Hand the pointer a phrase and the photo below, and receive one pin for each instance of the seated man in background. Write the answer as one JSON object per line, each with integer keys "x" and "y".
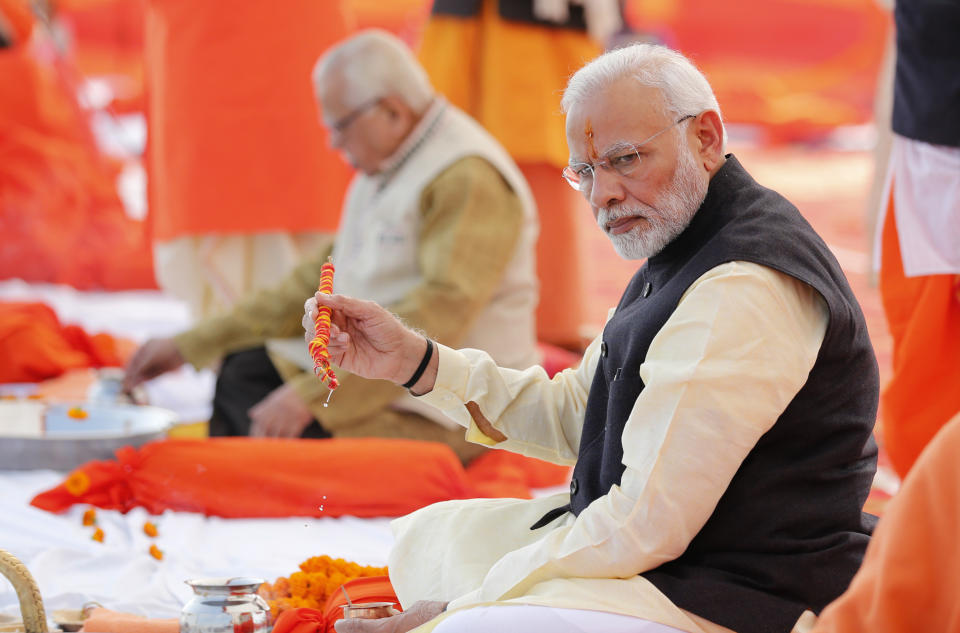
{"x": 720, "y": 426}
{"x": 438, "y": 225}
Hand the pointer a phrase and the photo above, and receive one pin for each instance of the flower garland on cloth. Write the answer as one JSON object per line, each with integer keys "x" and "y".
{"x": 319, "y": 576}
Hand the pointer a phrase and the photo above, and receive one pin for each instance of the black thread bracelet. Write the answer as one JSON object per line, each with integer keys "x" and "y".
{"x": 427, "y": 355}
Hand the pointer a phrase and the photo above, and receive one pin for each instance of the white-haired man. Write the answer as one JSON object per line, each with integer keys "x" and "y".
{"x": 720, "y": 426}
{"x": 438, "y": 225}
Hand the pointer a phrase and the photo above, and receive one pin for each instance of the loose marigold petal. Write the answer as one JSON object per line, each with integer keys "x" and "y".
{"x": 149, "y": 529}
{"x": 156, "y": 552}
{"x": 77, "y": 413}
{"x": 77, "y": 483}
{"x": 89, "y": 516}
{"x": 98, "y": 535}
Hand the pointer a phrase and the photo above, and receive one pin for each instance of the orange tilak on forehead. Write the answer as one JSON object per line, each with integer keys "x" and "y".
{"x": 592, "y": 152}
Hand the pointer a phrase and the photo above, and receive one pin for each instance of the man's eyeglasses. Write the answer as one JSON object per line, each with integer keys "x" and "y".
{"x": 580, "y": 175}
{"x": 340, "y": 126}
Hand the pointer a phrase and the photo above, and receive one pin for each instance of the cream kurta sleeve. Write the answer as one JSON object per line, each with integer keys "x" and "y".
{"x": 728, "y": 361}
{"x": 470, "y": 223}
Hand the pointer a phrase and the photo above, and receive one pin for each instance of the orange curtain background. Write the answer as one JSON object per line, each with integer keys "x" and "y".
{"x": 794, "y": 69}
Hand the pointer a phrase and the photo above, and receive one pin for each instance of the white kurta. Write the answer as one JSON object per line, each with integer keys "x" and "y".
{"x": 926, "y": 204}
{"x": 725, "y": 365}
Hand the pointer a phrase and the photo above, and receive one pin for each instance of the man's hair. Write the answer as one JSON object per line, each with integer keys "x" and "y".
{"x": 374, "y": 64}
{"x": 684, "y": 88}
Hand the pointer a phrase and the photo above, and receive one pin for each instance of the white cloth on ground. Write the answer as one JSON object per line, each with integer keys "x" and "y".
{"x": 71, "y": 569}
{"x": 496, "y": 619}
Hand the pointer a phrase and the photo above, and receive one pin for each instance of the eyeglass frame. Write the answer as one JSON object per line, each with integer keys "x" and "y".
{"x": 573, "y": 178}
{"x": 340, "y": 125}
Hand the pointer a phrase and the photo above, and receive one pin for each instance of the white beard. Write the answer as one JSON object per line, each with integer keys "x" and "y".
{"x": 677, "y": 205}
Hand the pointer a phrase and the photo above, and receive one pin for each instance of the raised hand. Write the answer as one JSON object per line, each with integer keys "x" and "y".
{"x": 368, "y": 340}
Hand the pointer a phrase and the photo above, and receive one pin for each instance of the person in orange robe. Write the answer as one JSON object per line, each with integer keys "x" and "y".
{"x": 909, "y": 580}
{"x": 241, "y": 182}
{"x": 920, "y": 240}
{"x": 923, "y": 314}
{"x": 506, "y": 64}
{"x": 61, "y": 218}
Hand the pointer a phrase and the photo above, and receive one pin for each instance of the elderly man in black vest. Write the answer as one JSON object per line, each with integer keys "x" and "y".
{"x": 720, "y": 426}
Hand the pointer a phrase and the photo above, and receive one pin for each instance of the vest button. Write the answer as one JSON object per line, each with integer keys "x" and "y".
{"x": 574, "y": 486}
{"x": 603, "y": 349}
{"x": 647, "y": 287}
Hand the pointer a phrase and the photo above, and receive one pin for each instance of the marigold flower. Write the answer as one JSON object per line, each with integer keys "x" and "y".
{"x": 77, "y": 483}
{"x": 319, "y": 576}
{"x": 149, "y": 529}
{"x": 282, "y": 587}
{"x": 89, "y": 516}
{"x": 98, "y": 535}
{"x": 156, "y": 552}
{"x": 77, "y": 413}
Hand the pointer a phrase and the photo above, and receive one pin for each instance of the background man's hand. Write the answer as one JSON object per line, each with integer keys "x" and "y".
{"x": 366, "y": 339}
{"x": 155, "y": 357}
{"x": 418, "y": 613}
{"x": 281, "y": 414}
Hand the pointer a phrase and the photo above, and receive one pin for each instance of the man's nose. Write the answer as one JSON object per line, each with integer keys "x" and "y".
{"x": 607, "y": 188}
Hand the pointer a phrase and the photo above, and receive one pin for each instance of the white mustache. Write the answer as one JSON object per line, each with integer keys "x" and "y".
{"x": 613, "y": 213}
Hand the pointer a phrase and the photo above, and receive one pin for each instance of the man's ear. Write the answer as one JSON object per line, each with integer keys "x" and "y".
{"x": 709, "y": 132}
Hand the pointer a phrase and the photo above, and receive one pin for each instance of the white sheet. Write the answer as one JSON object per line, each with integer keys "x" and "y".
{"x": 71, "y": 569}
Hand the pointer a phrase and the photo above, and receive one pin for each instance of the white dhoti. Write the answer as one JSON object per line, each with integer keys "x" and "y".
{"x": 445, "y": 551}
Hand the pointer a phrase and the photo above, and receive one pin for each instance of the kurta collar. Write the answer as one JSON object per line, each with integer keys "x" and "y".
{"x": 420, "y": 133}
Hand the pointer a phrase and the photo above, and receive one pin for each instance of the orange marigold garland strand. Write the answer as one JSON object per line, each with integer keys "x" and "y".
{"x": 318, "y": 346}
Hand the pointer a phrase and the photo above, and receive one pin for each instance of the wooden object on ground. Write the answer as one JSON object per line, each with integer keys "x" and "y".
{"x": 31, "y": 604}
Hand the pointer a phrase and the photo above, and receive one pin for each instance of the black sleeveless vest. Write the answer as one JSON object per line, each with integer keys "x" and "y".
{"x": 789, "y": 533}
{"x": 926, "y": 89}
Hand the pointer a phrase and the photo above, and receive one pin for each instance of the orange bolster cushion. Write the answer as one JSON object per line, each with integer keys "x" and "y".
{"x": 246, "y": 477}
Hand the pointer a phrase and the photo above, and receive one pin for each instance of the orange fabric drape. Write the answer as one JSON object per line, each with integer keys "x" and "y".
{"x": 17, "y": 15}
{"x": 246, "y": 477}
{"x": 798, "y": 68}
{"x": 61, "y": 218}
{"x": 235, "y": 142}
{"x": 908, "y": 581}
{"x": 923, "y": 314}
{"x": 35, "y": 346}
{"x": 301, "y": 620}
{"x": 559, "y": 312}
{"x": 510, "y": 76}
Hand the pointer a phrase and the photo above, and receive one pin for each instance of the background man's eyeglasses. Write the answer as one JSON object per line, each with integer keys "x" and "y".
{"x": 580, "y": 175}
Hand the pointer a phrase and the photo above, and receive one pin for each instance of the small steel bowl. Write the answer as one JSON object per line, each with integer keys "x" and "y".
{"x": 369, "y": 610}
